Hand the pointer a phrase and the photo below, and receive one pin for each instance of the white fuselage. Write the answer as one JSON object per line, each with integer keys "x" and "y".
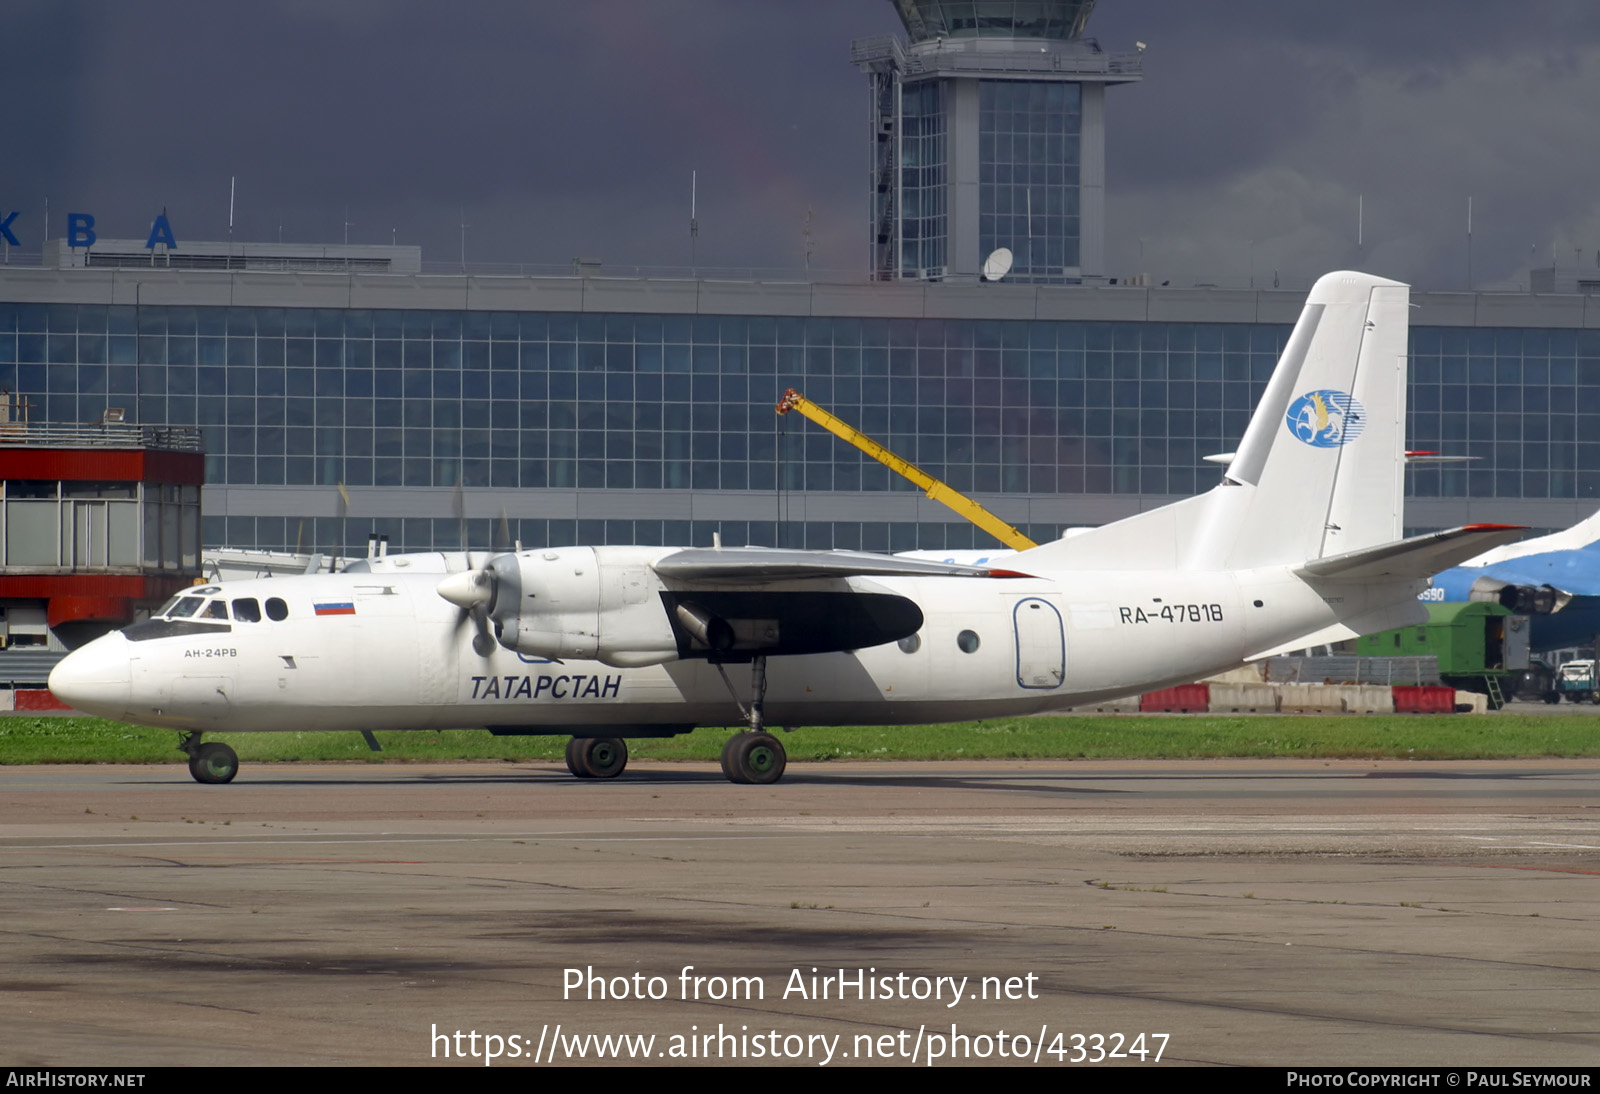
{"x": 385, "y": 651}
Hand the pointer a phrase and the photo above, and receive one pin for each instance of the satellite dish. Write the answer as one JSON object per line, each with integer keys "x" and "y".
{"x": 997, "y": 265}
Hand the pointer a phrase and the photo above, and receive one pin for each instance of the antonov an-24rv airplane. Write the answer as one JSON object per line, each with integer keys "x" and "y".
{"x": 1299, "y": 545}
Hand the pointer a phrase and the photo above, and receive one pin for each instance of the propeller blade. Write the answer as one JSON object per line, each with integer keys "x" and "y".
{"x": 458, "y": 507}
{"x": 502, "y": 542}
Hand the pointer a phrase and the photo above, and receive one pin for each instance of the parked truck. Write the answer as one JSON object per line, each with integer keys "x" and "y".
{"x": 1576, "y": 682}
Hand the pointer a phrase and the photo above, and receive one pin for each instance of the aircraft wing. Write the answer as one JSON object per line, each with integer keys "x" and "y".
{"x": 777, "y": 564}
{"x": 1414, "y": 558}
{"x": 1586, "y": 533}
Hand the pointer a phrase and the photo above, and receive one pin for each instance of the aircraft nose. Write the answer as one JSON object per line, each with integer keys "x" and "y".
{"x": 95, "y": 679}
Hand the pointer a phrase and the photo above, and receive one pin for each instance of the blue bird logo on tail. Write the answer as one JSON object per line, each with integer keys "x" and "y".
{"x": 1326, "y": 419}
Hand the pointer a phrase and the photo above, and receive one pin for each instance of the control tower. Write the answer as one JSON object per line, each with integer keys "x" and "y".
{"x": 988, "y": 132}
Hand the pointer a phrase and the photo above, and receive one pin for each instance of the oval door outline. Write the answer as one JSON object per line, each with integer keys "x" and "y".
{"x": 1041, "y": 644}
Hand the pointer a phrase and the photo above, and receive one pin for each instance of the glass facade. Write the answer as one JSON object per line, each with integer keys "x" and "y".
{"x": 600, "y": 402}
{"x": 994, "y": 18}
{"x": 1028, "y": 162}
{"x": 923, "y": 223}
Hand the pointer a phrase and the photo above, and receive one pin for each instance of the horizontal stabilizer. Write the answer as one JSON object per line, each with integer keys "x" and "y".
{"x": 772, "y": 564}
{"x": 1414, "y": 558}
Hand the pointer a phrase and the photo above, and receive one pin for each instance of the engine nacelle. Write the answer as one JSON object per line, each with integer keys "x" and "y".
{"x": 584, "y": 604}
{"x": 1520, "y": 599}
{"x": 608, "y": 604}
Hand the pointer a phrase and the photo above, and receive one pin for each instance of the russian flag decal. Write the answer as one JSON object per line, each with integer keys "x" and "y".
{"x": 346, "y": 607}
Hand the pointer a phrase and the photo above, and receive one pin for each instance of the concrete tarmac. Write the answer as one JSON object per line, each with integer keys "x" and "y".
{"x": 1232, "y": 912}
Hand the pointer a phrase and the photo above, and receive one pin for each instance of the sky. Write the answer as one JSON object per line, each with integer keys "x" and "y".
{"x": 1265, "y": 135}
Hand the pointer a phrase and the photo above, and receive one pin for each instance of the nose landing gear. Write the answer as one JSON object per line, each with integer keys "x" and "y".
{"x": 213, "y": 763}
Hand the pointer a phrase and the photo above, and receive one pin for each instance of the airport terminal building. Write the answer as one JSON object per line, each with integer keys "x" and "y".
{"x": 610, "y": 410}
{"x": 347, "y": 390}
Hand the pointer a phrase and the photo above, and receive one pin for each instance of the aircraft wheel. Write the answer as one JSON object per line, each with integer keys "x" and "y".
{"x": 727, "y": 751}
{"x": 574, "y": 758}
{"x": 597, "y": 757}
{"x": 213, "y": 763}
{"x": 754, "y": 758}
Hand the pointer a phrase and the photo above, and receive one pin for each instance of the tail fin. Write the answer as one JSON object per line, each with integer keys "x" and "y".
{"x": 1321, "y": 468}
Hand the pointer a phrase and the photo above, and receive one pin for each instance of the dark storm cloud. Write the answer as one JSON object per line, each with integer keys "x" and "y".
{"x": 1263, "y": 127}
{"x": 557, "y": 129}
{"x": 39, "y": 104}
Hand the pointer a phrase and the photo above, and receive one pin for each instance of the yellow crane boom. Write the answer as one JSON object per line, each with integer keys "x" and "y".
{"x": 938, "y": 491}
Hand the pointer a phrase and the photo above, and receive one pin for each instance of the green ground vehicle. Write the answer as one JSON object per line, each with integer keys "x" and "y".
{"x": 1480, "y": 647}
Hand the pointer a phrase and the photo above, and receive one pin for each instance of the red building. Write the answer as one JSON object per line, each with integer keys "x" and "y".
{"x": 97, "y": 523}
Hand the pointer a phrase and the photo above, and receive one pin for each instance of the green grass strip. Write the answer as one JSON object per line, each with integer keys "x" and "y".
{"x": 32, "y": 740}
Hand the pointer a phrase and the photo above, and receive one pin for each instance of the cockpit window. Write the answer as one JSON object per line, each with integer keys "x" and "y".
{"x": 184, "y": 607}
{"x": 247, "y": 610}
{"x": 277, "y": 609}
{"x": 217, "y": 609}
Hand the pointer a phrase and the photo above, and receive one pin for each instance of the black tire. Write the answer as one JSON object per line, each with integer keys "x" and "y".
{"x": 574, "y": 763}
{"x": 600, "y": 757}
{"x": 756, "y": 758}
{"x": 213, "y": 763}
{"x": 727, "y": 763}
{"x": 1552, "y": 697}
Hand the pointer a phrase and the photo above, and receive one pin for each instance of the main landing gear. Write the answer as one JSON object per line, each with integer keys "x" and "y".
{"x": 209, "y": 763}
{"x": 753, "y": 755}
{"x": 597, "y": 757}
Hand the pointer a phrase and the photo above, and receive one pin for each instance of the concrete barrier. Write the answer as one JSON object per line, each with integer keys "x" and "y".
{"x": 1184, "y": 699}
{"x": 1368, "y": 699}
{"x": 36, "y": 699}
{"x": 1310, "y": 699}
{"x": 1244, "y": 699}
{"x": 1424, "y": 700}
{"x": 1126, "y": 705}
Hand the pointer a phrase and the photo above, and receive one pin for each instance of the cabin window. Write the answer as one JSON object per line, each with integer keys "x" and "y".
{"x": 277, "y": 609}
{"x": 911, "y": 643}
{"x": 247, "y": 610}
{"x": 967, "y": 641}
